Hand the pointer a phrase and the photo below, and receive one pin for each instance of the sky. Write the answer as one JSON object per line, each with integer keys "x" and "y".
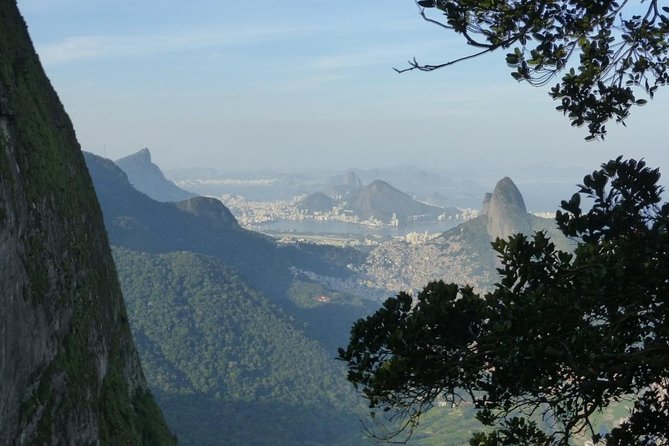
{"x": 302, "y": 85}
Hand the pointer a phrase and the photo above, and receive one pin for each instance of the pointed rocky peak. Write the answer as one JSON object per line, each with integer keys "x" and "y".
{"x": 147, "y": 177}
{"x": 141, "y": 157}
{"x": 507, "y": 194}
{"x": 507, "y": 214}
{"x": 209, "y": 209}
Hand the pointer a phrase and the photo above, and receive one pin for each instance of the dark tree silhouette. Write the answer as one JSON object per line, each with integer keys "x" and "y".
{"x": 608, "y": 51}
{"x": 562, "y": 336}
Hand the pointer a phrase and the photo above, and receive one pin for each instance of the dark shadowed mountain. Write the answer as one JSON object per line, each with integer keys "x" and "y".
{"x": 137, "y": 222}
{"x": 210, "y": 210}
{"x": 380, "y": 200}
{"x": 147, "y": 177}
{"x": 205, "y": 226}
{"x": 316, "y": 202}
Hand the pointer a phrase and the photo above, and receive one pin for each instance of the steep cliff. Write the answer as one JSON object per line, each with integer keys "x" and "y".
{"x": 69, "y": 371}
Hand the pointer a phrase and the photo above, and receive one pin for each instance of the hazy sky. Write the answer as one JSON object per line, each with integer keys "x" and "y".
{"x": 303, "y": 84}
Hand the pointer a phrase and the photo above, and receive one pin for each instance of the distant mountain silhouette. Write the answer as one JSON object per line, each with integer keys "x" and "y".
{"x": 380, "y": 200}
{"x": 437, "y": 199}
{"x": 147, "y": 177}
{"x": 316, "y": 202}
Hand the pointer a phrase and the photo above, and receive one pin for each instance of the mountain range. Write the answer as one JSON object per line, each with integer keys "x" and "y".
{"x": 232, "y": 325}
{"x": 231, "y": 296}
{"x": 377, "y": 200}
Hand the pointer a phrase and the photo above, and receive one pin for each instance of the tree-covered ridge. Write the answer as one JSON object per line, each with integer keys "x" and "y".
{"x": 217, "y": 352}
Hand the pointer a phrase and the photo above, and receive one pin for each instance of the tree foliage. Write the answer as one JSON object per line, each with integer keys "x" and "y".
{"x": 562, "y": 336}
{"x": 621, "y": 48}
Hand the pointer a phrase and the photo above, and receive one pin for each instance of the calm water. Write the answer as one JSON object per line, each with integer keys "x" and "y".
{"x": 337, "y": 227}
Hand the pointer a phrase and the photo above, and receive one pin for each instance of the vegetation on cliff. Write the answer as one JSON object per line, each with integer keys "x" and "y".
{"x": 70, "y": 373}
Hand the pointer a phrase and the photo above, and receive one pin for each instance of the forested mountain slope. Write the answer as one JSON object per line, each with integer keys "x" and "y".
{"x": 227, "y": 365}
{"x": 238, "y": 347}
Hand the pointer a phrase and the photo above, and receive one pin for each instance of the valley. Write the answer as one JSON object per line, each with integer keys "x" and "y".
{"x": 233, "y": 324}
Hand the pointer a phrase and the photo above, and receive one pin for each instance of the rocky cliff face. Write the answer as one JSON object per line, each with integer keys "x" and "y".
{"x": 506, "y": 211}
{"x": 69, "y": 371}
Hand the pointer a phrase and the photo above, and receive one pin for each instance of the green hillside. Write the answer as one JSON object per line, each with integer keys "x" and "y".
{"x": 227, "y": 365}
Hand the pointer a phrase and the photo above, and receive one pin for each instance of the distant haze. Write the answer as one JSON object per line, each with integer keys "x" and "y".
{"x": 305, "y": 85}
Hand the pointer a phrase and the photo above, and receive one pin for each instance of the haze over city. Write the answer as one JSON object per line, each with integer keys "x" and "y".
{"x": 304, "y": 85}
